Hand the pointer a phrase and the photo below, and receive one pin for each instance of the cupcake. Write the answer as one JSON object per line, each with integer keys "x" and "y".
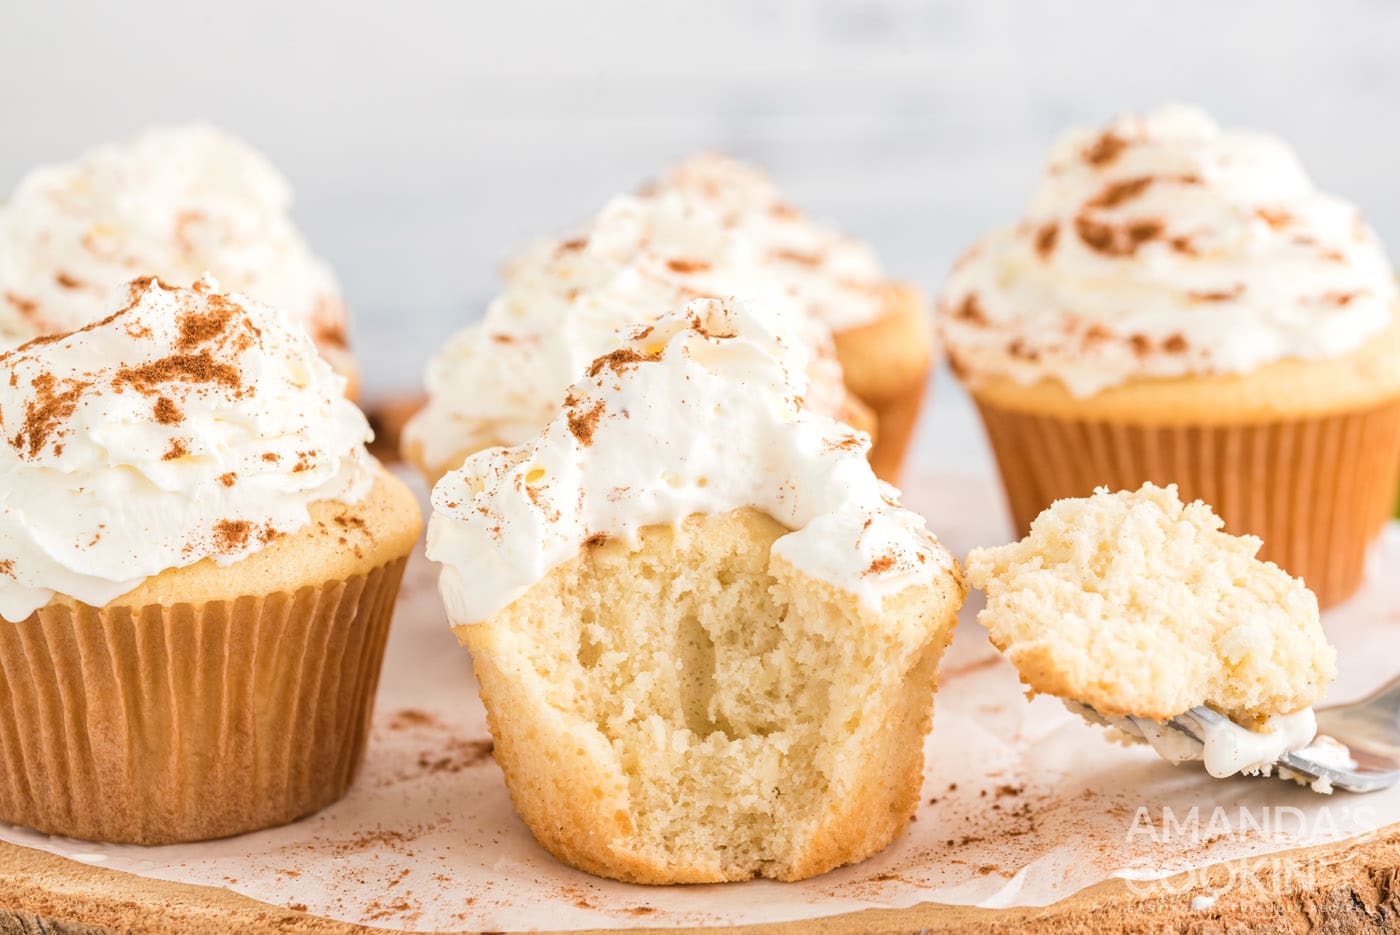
{"x": 1181, "y": 305}
{"x": 198, "y": 563}
{"x": 712, "y": 228}
{"x": 707, "y": 636}
{"x": 175, "y": 202}
{"x": 1136, "y": 608}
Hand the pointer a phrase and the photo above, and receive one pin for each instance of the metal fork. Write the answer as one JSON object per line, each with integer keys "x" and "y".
{"x": 1369, "y": 728}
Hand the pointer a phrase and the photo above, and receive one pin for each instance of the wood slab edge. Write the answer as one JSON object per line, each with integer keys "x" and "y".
{"x": 1347, "y": 887}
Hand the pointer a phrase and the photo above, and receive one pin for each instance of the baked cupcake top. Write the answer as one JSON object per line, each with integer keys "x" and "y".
{"x": 175, "y": 202}
{"x": 1164, "y": 246}
{"x": 567, "y": 302}
{"x": 700, "y": 412}
{"x": 1139, "y": 605}
{"x": 191, "y": 424}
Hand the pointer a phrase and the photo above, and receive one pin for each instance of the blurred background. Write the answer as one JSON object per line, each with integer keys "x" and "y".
{"x": 427, "y": 140}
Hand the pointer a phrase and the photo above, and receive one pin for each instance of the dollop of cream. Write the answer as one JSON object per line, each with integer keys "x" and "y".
{"x": 1225, "y": 748}
{"x": 191, "y": 424}
{"x": 501, "y": 380}
{"x": 713, "y": 227}
{"x": 1163, "y": 246}
{"x": 700, "y": 412}
{"x": 837, "y": 278}
{"x": 174, "y": 202}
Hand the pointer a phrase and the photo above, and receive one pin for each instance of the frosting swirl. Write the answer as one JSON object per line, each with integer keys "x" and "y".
{"x": 571, "y": 300}
{"x": 191, "y": 424}
{"x": 1163, "y": 246}
{"x": 174, "y": 202}
{"x": 700, "y": 412}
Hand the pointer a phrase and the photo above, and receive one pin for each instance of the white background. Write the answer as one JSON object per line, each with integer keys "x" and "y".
{"x": 426, "y": 140}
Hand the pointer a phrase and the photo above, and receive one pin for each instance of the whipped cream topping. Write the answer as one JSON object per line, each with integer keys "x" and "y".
{"x": 837, "y": 277}
{"x": 1225, "y": 748}
{"x": 571, "y": 300}
{"x": 700, "y": 412}
{"x": 1164, "y": 246}
{"x": 191, "y": 424}
{"x": 174, "y": 202}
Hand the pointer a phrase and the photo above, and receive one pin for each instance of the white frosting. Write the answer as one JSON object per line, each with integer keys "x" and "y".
{"x": 1226, "y": 748}
{"x": 836, "y": 277}
{"x": 189, "y": 425}
{"x": 173, "y": 202}
{"x": 1326, "y": 752}
{"x": 698, "y": 413}
{"x": 1164, "y": 246}
{"x": 571, "y": 300}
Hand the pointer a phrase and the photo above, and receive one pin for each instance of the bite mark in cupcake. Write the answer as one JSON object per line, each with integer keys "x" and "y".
{"x": 708, "y": 547}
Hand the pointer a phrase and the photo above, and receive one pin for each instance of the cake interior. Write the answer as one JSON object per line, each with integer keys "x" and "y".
{"x": 1139, "y": 605}
{"x": 736, "y": 703}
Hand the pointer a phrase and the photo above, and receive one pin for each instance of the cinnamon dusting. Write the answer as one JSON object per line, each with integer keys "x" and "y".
{"x": 45, "y": 415}
{"x": 584, "y": 424}
{"x": 881, "y": 565}
{"x": 618, "y": 361}
{"x": 1105, "y": 149}
{"x": 199, "y": 368}
{"x": 793, "y": 256}
{"x": 198, "y": 328}
{"x": 1117, "y": 193}
{"x": 167, "y": 413}
{"x": 1116, "y": 241}
{"x": 1221, "y": 295}
{"x": 971, "y": 310}
{"x": 231, "y": 535}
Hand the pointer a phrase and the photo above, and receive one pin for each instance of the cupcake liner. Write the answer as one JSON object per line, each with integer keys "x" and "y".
{"x": 1316, "y": 490}
{"x": 896, "y": 419}
{"x": 161, "y": 724}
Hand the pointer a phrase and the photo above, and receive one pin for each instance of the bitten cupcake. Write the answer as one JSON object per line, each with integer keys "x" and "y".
{"x": 174, "y": 202}
{"x": 198, "y": 563}
{"x": 707, "y": 635}
{"x": 1181, "y": 305}
{"x": 713, "y": 228}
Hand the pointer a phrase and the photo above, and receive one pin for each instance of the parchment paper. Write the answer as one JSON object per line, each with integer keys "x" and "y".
{"x": 1023, "y": 803}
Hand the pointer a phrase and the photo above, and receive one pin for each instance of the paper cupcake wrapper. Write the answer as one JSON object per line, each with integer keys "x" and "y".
{"x": 1316, "y": 490}
{"x": 161, "y": 724}
{"x": 896, "y": 419}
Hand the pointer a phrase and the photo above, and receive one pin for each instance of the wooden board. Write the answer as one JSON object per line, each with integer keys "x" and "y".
{"x": 1341, "y": 888}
